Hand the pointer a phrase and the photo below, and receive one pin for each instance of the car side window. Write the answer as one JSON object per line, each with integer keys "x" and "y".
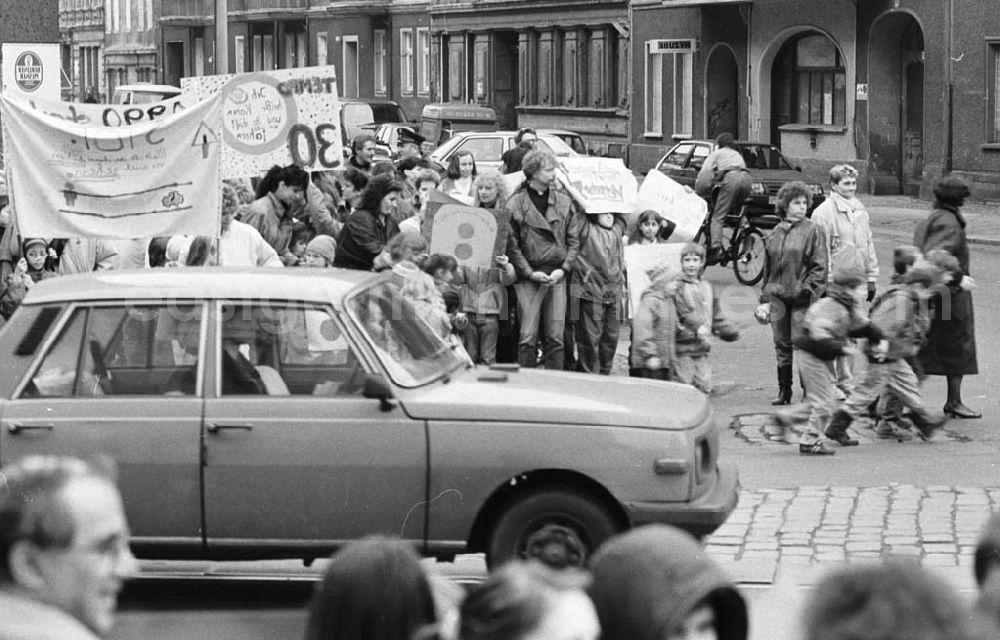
{"x": 677, "y": 156}
{"x": 701, "y": 152}
{"x": 483, "y": 149}
{"x": 123, "y": 351}
{"x": 286, "y": 350}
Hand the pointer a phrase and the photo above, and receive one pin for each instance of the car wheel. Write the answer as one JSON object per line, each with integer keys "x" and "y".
{"x": 748, "y": 266}
{"x": 547, "y": 519}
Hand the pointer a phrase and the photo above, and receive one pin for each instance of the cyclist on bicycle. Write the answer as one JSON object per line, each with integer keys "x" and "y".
{"x": 726, "y": 168}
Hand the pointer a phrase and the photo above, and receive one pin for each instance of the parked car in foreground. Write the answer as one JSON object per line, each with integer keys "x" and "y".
{"x": 261, "y": 413}
{"x": 767, "y": 166}
{"x": 488, "y": 147}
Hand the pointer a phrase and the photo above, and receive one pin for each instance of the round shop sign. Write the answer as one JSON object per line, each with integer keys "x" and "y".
{"x": 28, "y": 71}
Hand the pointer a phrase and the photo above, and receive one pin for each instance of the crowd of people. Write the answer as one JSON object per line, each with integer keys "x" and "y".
{"x": 554, "y": 292}
{"x": 64, "y": 557}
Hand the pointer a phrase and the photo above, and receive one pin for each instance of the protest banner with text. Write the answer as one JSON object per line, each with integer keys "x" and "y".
{"x": 88, "y": 170}
{"x": 672, "y": 201}
{"x": 275, "y": 117}
{"x": 606, "y": 184}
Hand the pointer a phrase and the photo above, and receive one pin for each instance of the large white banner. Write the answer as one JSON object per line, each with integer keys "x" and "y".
{"x": 606, "y": 184}
{"x": 32, "y": 70}
{"x": 115, "y": 171}
{"x": 672, "y": 201}
{"x": 275, "y": 117}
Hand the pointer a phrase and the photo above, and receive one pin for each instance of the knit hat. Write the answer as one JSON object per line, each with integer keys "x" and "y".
{"x": 663, "y": 270}
{"x": 323, "y": 246}
{"x": 951, "y": 190}
{"x": 848, "y": 276}
{"x": 652, "y": 578}
{"x": 30, "y": 242}
{"x": 923, "y": 272}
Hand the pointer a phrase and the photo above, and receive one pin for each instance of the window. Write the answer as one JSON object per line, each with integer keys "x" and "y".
{"x": 240, "y": 50}
{"x": 993, "y": 90}
{"x": 406, "y": 61}
{"x": 654, "y": 91}
{"x": 381, "y": 86}
{"x": 678, "y": 155}
{"x": 134, "y": 350}
{"x": 423, "y": 62}
{"x": 199, "y": 56}
{"x": 810, "y": 82}
{"x": 286, "y": 350}
{"x": 483, "y": 149}
{"x": 321, "y": 48}
{"x": 683, "y": 104}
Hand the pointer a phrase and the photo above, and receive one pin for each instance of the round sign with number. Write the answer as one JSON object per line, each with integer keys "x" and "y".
{"x": 28, "y": 71}
{"x": 256, "y": 117}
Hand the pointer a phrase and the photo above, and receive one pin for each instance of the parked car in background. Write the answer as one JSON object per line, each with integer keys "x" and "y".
{"x": 440, "y": 121}
{"x": 258, "y": 413}
{"x": 143, "y": 93}
{"x": 355, "y": 113}
{"x": 488, "y": 147}
{"x": 387, "y": 137}
{"x": 574, "y": 140}
{"x": 768, "y": 168}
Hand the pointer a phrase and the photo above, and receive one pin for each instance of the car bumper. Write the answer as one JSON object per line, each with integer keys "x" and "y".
{"x": 699, "y": 517}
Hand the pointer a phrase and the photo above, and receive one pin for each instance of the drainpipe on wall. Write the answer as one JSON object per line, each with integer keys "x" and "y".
{"x": 746, "y": 11}
{"x": 949, "y": 20}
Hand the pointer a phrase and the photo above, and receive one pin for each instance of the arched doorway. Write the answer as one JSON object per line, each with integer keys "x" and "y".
{"x": 722, "y": 90}
{"x": 808, "y": 84}
{"x": 896, "y": 104}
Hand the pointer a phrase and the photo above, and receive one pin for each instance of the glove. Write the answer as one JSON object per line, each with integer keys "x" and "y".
{"x": 871, "y": 291}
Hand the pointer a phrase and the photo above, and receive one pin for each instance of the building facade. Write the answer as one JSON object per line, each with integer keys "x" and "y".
{"x": 81, "y": 36}
{"x": 905, "y": 90}
{"x": 131, "y": 35}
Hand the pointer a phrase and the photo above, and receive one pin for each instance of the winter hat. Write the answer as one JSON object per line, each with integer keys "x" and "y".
{"x": 951, "y": 191}
{"x": 30, "y": 242}
{"x": 663, "y": 270}
{"x": 651, "y": 578}
{"x": 923, "y": 272}
{"x": 848, "y": 276}
{"x": 323, "y": 246}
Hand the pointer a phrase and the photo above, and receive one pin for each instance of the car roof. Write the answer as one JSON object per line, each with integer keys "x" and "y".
{"x": 236, "y": 283}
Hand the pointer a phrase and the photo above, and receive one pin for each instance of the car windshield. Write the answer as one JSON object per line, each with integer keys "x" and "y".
{"x": 557, "y": 146}
{"x": 411, "y": 352}
{"x": 762, "y": 156}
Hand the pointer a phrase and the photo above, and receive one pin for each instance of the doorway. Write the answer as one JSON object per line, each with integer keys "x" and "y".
{"x": 722, "y": 90}
{"x": 350, "y": 70}
{"x": 505, "y": 65}
{"x": 896, "y": 104}
{"x": 173, "y": 64}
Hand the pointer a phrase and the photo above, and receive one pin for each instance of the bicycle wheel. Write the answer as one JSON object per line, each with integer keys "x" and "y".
{"x": 748, "y": 263}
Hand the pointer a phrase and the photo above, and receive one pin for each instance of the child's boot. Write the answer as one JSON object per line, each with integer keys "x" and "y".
{"x": 837, "y": 429}
{"x": 927, "y": 424}
{"x": 784, "y": 386}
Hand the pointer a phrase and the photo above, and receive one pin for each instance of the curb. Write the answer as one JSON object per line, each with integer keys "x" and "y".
{"x": 979, "y": 240}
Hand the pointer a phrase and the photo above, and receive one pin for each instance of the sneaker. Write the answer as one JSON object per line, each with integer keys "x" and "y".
{"x": 818, "y": 448}
{"x": 890, "y": 431}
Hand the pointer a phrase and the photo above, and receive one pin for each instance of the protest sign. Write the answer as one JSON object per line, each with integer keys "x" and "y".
{"x": 672, "y": 201}
{"x": 470, "y": 234}
{"x": 512, "y": 181}
{"x": 639, "y": 259}
{"x": 605, "y": 183}
{"x": 84, "y": 170}
{"x": 278, "y": 117}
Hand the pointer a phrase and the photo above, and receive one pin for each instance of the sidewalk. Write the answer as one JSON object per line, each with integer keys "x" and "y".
{"x": 898, "y": 216}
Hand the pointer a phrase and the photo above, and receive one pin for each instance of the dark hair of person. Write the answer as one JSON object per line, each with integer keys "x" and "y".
{"x": 157, "y": 251}
{"x": 522, "y": 132}
{"x": 790, "y": 191}
{"x": 513, "y": 601}
{"x": 359, "y": 141}
{"x": 725, "y": 140}
{"x": 383, "y": 168}
{"x": 644, "y": 217}
{"x": 301, "y": 232}
{"x": 439, "y": 261}
{"x": 199, "y": 252}
{"x": 903, "y": 256}
{"x": 378, "y": 188}
{"x": 893, "y": 600}
{"x": 951, "y": 192}
{"x": 356, "y": 178}
{"x": 413, "y": 162}
{"x": 453, "y": 171}
{"x": 30, "y": 508}
{"x": 374, "y": 589}
{"x": 292, "y": 175}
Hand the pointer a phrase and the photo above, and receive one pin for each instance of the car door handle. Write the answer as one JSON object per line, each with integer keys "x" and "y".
{"x": 18, "y": 428}
{"x": 216, "y": 428}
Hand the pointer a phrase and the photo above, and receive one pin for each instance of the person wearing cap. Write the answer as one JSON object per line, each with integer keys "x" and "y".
{"x": 897, "y": 315}
{"x": 33, "y": 267}
{"x": 827, "y": 327}
{"x": 408, "y": 144}
{"x": 657, "y": 583}
{"x": 654, "y": 325}
{"x": 726, "y": 168}
{"x": 951, "y": 342}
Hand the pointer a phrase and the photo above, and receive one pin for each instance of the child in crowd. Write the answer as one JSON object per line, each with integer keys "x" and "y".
{"x": 655, "y": 325}
{"x": 427, "y": 181}
{"x": 651, "y": 228}
{"x": 826, "y": 328}
{"x": 444, "y": 268}
{"x": 320, "y": 252}
{"x": 421, "y": 290}
{"x": 897, "y": 314}
{"x": 597, "y": 283}
{"x": 301, "y": 235}
{"x": 34, "y": 266}
{"x": 482, "y": 294}
{"x": 699, "y": 315}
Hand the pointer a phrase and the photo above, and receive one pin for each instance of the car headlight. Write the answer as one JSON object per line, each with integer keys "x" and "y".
{"x": 757, "y": 188}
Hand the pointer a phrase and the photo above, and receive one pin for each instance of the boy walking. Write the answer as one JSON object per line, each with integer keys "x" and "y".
{"x": 699, "y": 315}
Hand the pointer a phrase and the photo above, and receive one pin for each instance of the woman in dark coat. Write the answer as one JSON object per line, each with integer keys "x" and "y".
{"x": 951, "y": 342}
